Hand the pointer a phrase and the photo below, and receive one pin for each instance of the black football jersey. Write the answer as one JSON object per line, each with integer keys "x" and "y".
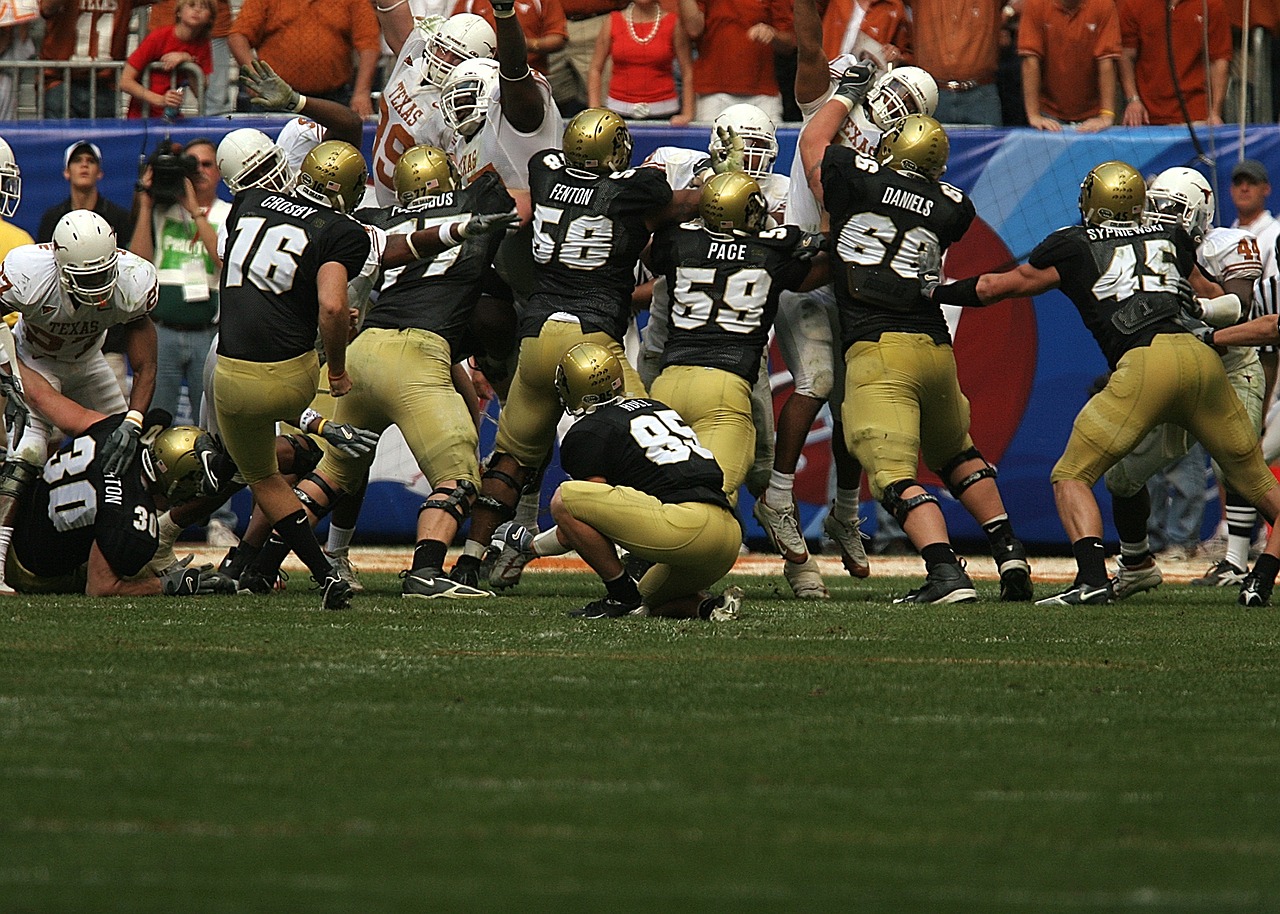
{"x": 275, "y": 247}
{"x": 73, "y": 504}
{"x": 1123, "y": 281}
{"x": 879, "y": 219}
{"x": 724, "y": 291}
{"x": 588, "y": 232}
{"x": 438, "y": 292}
{"x": 645, "y": 445}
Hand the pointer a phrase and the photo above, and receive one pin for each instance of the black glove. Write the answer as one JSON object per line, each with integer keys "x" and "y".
{"x": 810, "y": 246}
{"x": 488, "y": 223}
{"x": 1204, "y": 333}
{"x": 120, "y": 447}
{"x": 503, "y": 8}
{"x": 267, "y": 89}
{"x": 856, "y": 81}
{"x": 184, "y": 581}
{"x": 352, "y": 441}
{"x": 16, "y": 411}
{"x": 212, "y": 456}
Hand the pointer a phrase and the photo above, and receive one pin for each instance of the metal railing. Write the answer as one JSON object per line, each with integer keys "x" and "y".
{"x": 33, "y": 89}
{"x": 193, "y": 98}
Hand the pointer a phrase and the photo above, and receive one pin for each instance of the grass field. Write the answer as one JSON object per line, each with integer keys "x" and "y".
{"x": 259, "y": 754}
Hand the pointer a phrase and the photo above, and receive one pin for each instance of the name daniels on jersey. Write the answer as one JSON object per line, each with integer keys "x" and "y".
{"x": 565, "y": 193}
{"x": 904, "y": 199}
{"x": 288, "y": 207}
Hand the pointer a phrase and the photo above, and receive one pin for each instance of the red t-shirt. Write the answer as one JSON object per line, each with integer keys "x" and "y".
{"x": 642, "y": 72}
{"x": 157, "y": 44}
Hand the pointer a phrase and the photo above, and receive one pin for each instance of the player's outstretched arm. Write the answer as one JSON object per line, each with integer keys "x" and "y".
{"x": 268, "y": 91}
{"x": 812, "y": 75}
{"x": 396, "y": 21}
{"x": 523, "y": 105}
{"x": 141, "y": 347}
{"x": 63, "y": 412}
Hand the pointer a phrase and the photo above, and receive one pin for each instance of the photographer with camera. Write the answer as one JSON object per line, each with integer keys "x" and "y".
{"x": 178, "y": 214}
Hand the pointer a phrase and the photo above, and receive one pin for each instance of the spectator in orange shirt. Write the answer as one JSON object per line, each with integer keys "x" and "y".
{"x": 736, "y": 41}
{"x": 1144, "y": 60}
{"x": 958, "y": 42}
{"x": 542, "y": 21}
{"x": 886, "y": 21}
{"x": 85, "y": 30}
{"x": 310, "y": 45}
{"x": 1069, "y": 50}
{"x": 643, "y": 42}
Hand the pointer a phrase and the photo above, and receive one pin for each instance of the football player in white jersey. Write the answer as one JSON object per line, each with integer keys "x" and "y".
{"x": 1228, "y": 263}
{"x": 10, "y": 181}
{"x": 409, "y": 112}
{"x": 68, "y": 293}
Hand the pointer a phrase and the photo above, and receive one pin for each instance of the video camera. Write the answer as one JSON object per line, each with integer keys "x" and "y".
{"x": 169, "y": 167}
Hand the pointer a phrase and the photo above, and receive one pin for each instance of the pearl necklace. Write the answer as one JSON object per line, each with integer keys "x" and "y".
{"x": 631, "y": 25}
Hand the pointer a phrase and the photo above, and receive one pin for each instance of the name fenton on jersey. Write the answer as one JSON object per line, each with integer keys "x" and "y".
{"x": 566, "y": 193}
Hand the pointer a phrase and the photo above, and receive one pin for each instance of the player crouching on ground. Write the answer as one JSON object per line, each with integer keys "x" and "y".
{"x": 83, "y": 529}
{"x": 640, "y": 480}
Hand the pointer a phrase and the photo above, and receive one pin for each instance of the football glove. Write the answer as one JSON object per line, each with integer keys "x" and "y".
{"x": 929, "y": 267}
{"x": 185, "y": 581}
{"x": 16, "y": 411}
{"x": 810, "y": 246}
{"x": 488, "y": 223}
{"x": 1204, "y": 333}
{"x": 855, "y": 83}
{"x": 352, "y": 441}
{"x": 120, "y": 447}
{"x": 731, "y": 152}
{"x": 267, "y": 89}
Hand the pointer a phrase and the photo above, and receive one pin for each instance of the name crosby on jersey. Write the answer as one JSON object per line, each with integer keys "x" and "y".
{"x": 904, "y": 199}
{"x": 565, "y": 193}
{"x": 288, "y": 207}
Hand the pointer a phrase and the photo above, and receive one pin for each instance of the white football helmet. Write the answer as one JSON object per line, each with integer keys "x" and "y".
{"x": 758, "y": 134}
{"x": 464, "y": 100}
{"x": 463, "y": 36}
{"x": 84, "y": 245}
{"x": 1180, "y": 196}
{"x": 10, "y": 181}
{"x": 902, "y": 91}
{"x": 247, "y": 158}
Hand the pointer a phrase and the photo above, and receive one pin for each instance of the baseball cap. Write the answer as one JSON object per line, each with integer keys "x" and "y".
{"x": 76, "y": 147}
{"x": 1251, "y": 169}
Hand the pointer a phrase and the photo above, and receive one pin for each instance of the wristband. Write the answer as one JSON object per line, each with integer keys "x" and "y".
{"x": 302, "y": 103}
{"x": 451, "y": 234}
{"x": 515, "y": 79}
{"x": 963, "y": 293}
{"x": 309, "y": 415}
{"x": 413, "y": 249}
{"x": 339, "y": 374}
{"x": 1106, "y": 112}
{"x": 320, "y": 428}
{"x": 134, "y": 416}
{"x": 1135, "y": 98}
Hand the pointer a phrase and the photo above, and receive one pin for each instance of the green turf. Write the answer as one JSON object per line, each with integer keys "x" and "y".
{"x": 260, "y": 754}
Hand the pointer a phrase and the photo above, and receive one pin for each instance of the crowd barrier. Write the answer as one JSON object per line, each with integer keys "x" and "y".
{"x": 1025, "y": 365}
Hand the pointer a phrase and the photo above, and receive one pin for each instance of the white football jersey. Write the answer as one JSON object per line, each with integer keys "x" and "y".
{"x": 1227, "y": 253}
{"x": 297, "y": 138}
{"x": 682, "y": 165}
{"x": 500, "y": 147}
{"x": 51, "y": 325}
{"x": 408, "y": 115}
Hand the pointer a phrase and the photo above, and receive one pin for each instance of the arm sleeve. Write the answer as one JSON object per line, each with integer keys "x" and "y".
{"x": 1107, "y": 42}
{"x": 1030, "y": 34}
{"x": 145, "y": 53}
{"x": 250, "y": 21}
{"x": 836, "y": 171}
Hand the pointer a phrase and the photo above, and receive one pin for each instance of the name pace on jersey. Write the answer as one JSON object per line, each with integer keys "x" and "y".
{"x": 726, "y": 250}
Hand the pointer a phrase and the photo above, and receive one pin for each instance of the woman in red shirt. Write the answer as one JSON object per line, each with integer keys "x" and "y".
{"x": 645, "y": 42}
{"x": 186, "y": 41}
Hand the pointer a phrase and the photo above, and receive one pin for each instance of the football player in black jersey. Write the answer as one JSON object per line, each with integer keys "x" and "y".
{"x": 83, "y": 529}
{"x": 639, "y": 479}
{"x": 1128, "y": 281}
{"x": 724, "y": 277}
{"x": 593, "y": 215}
{"x": 903, "y": 399}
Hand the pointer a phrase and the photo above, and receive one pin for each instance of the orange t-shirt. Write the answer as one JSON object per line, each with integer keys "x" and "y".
{"x": 79, "y": 30}
{"x": 1069, "y": 46}
{"x": 538, "y": 19}
{"x": 163, "y": 12}
{"x": 1142, "y": 27}
{"x": 309, "y": 42}
{"x": 885, "y": 20}
{"x": 957, "y": 39}
{"x": 728, "y": 61}
{"x": 1265, "y": 13}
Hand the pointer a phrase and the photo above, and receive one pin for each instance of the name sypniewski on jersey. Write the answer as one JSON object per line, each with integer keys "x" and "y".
{"x": 902, "y": 199}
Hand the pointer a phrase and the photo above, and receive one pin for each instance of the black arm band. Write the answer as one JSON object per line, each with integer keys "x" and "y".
{"x": 963, "y": 293}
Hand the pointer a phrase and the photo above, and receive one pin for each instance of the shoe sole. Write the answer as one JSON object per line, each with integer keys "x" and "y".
{"x": 852, "y": 566}
{"x": 961, "y": 595}
{"x": 1016, "y": 586}
{"x": 446, "y": 596}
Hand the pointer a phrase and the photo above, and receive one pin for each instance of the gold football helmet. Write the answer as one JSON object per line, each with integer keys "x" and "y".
{"x": 733, "y": 201}
{"x": 589, "y": 375}
{"x": 1112, "y": 192}
{"x": 916, "y": 145}
{"x": 597, "y": 139}
{"x": 423, "y": 171}
{"x": 334, "y": 174}
{"x": 170, "y": 461}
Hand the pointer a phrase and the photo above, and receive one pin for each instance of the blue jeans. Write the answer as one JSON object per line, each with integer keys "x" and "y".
{"x": 107, "y": 100}
{"x": 1177, "y": 502}
{"x": 980, "y": 105}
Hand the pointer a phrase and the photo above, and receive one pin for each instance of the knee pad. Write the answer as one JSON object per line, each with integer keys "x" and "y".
{"x": 456, "y": 502}
{"x": 16, "y": 477}
{"x": 900, "y": 507}
{"x": 309, "y": 502}
{"x": 958, "y": 488}
{"x": 306, "y": 456}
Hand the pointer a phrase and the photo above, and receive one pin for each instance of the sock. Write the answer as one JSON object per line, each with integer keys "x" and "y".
{"x": 6, "y": 536}
{"x": 339, "y": 539}
{"x": 297, "y": 534}
{"x": 467, "y": 562}
{"x": 999, "y": 532}
{"x": 269, "y": 558}
{"x": 622, "y": 589}
{"x": 527, "y": 512}
{"x": 548, "y": 543}
{"x": 429, "y": 554}
{"x": 781, "y": 489}
{"x": 169, "y": 530}
{"x": 1135, "y": 554}
{"x": 845, "y": 507}
{"x": 1241, "y": 519}
{"x": 936, "y": 554}
{"x": 1091, "y": 561}
{"x": 472, "y": 549}
{"x": 1265, "y": 568}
